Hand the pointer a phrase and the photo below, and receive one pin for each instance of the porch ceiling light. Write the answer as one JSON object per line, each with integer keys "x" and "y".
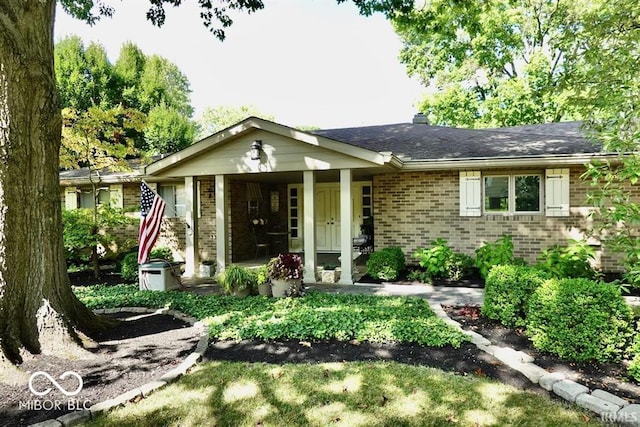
{"x": 256, "y": 148}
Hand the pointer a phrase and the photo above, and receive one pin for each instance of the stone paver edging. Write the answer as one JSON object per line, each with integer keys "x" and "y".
{"x": 609, "y": 407}
{"x": 77, "y": 417}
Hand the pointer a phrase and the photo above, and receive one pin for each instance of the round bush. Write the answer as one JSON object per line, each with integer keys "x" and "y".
{"x": 579, "y": 320}
{"x": 507, "y": 292}
{"x": 386, "y": 264}
{"x": 129, "y": 269}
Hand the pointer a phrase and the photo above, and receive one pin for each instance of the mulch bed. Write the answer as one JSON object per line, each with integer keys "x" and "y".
{"x": 611, "y": 377}
{"x": 138, "y": 350}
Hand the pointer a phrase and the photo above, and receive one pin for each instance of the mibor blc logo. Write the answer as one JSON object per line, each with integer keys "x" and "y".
{"x": 55, "y": 383}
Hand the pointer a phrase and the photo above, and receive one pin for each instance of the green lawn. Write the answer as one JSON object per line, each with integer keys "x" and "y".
{"x": 340, "y": 394}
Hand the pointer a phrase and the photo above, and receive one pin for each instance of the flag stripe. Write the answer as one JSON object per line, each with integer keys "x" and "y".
{"x": 151, "y": 211}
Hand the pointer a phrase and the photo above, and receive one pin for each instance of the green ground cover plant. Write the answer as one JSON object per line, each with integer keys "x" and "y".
{"x": 343, "y": 394}
{"x": 317, "y": 316}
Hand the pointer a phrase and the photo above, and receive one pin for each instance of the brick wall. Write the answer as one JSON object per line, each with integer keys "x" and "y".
{"x": 412, "y": 209}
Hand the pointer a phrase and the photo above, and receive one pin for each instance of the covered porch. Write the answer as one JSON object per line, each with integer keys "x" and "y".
{"x": 272, "y": 189}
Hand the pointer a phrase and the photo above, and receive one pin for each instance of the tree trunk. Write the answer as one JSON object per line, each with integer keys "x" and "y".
{"x": 38, "y": 310}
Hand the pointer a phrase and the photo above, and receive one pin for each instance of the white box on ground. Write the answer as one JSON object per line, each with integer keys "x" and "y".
{"x": 158, "y": 276}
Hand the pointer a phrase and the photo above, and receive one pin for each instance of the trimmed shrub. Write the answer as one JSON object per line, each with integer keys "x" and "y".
{"x": 579, "y": 320}
{"x": 499, "y": 252}
{"x": 386, "y": 264}
{"x": 507, "y": 291}
{"x": 129, "y": 268}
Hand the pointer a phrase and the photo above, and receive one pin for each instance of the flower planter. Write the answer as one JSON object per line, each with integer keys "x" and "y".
{"x": 207, "y": 270}
{"x": 265, "y": 289}
{"x": 279, "y": 288}
{"x": 329, "y": 276}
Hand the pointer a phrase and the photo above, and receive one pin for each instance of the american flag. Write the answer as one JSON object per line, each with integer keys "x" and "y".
{"x": 151, "y": 212}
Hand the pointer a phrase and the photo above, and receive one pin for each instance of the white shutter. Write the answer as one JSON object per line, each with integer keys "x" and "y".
{"x": 557, "y": 192}
{"x": 470, "y": 193}
{"x": 116, "y": 196}
{"x": 70, "y": 198}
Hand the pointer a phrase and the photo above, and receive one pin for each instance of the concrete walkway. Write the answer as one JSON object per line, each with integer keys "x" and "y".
{"x": 437, "y": 294}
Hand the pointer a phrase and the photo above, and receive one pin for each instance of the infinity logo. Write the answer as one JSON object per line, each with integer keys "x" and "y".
{"x": 55, "y": 383}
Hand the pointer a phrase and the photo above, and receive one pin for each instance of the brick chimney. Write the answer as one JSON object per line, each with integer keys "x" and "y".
{"x": 420, "y": 119}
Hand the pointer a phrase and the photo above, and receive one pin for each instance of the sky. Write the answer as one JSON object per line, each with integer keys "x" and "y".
{"x": 306, "y": 62}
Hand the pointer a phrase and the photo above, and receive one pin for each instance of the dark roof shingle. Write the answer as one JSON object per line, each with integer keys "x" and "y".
{"x": 424, "y": 142}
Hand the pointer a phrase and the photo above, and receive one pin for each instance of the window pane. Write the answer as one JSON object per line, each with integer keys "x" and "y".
{"x": 103, "y": 197}
{"x": 366, "y": 189}
{"x": 86, "y": 200}
{"x": 294, "y": 202}
{"x": 294, "y": 222}
{"x": 180, "y": 201}
{"x": 366, "y": 212}
{"x": 293, "y": 192}
{"x": 496, "y": 194}
{"x": 366, "y": 201}
{"x": 294, "y": 232}
{"x": 528, "y": 193}
{"x": 294, "y": 212}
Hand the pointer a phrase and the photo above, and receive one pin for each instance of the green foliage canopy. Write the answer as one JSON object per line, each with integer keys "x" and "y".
{"x": 493, "y": 63}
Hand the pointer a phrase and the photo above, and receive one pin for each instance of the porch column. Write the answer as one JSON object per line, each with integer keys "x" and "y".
{"x": 192, "y": 253}
{"x": 310, "y": 258}
{"x": 346, "y": 228}
{"x": 222, "y": 215}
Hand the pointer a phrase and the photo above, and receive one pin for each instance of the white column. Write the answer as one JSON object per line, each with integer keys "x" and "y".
{"x": 192, "y": 253}
{"x": 222, "y": 243}
{"x": 310, "y": 259}
{"x": 346, "y": 228}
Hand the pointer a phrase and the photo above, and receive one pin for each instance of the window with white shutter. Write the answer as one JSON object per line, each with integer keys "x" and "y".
{"x": 470, "y": 193}
{"x": 557, "y": 192}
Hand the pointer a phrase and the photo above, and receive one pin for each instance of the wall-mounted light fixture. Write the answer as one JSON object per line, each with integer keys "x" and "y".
{"x": 256, "y": 148}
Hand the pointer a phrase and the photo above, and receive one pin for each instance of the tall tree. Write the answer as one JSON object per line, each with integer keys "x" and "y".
{"x": 608, "y": 90}
{"x": 168, "y": 130}
{"x": 128, "y": 70}
{"x": 214, "y": 119}
{"x": 492, "y": 63}
{"x": 38, "y": 310}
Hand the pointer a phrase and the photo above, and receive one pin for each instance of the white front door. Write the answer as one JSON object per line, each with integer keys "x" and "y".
{"x": 327, "y": 217}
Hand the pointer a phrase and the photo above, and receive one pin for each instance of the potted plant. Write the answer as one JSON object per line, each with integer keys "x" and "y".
{"x": 329, "y": 273}
{"x": 207, "y": 268}
{"x": 237, "y": 280}
{"x": 262, "y": 280}
{"x": 285, "y": 272}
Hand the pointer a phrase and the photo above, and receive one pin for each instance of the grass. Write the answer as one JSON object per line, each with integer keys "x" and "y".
{"x": 317, "y": 316}
{"x": 340, "y": 394}
{"x": 347, "y": 394}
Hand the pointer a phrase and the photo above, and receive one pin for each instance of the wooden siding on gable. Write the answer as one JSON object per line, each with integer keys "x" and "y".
{"x": 279, "y": 154}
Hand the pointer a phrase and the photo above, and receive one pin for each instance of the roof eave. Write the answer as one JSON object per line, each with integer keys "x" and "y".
{"x": 504, "y": 162}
